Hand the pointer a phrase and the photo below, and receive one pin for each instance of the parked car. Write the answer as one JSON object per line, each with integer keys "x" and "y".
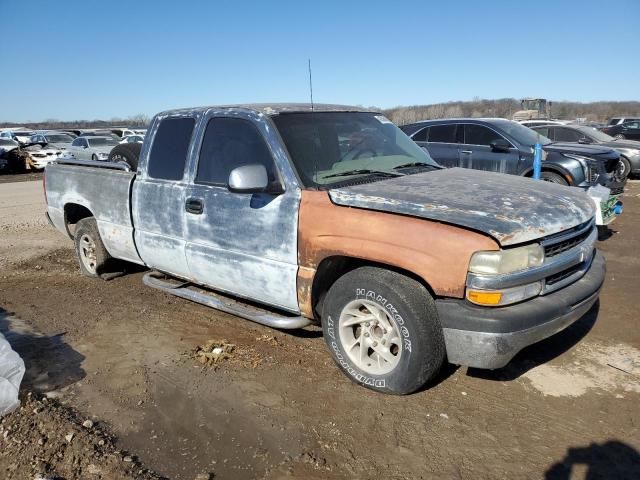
{"x": 334, "y": 216}
{"x": 132, "y": 139}
{"x": 531, "y": 123}
{"x": 629, "y": 150}
{"x": 57, "y": 140}
{"x": 505, "y": 146}
{"x": 100, "y": 133}
{"x": 7, "y": 144}
{"x": 23, "y": 137}
{"x": 40, "y": 157}
{"x": 618, "y": 120}
{"x": 628, "y": 130}
{"x": 122, "y": 132}
{"x": 92, "y": 148}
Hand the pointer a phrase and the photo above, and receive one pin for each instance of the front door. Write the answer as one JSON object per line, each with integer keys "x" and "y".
{"x": 631, "y": 130}
{"x": 241, "y": 243}
{"x": 477, "y": 153}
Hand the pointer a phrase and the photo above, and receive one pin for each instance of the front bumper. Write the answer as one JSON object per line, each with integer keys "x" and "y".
{"x": 489, "y": 338}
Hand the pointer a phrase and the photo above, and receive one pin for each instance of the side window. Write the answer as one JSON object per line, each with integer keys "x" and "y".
{"x": 75, "y": 143}
{"x": 631, "y": 125}
{"x": 567, "y": 135}
{"x": 170, "y": 148}
{"x": 545, "y": 132}
{"x": 479, "y": 135}
{"x": 230, "y": 143}
{"x": 420, "y": 135}
{"x": 443, "y": 133}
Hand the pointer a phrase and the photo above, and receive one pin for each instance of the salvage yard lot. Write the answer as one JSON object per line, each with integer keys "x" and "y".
{"x": 122, "y": 354}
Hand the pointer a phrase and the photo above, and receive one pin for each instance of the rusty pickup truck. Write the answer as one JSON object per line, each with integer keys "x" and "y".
{"x": 293, "y": 214}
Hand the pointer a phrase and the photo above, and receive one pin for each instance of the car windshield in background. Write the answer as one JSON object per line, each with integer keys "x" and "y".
{"x": 520, "y": 133}
{"x": 597, "y": 134}
{"x": 59, "y": 138}
{"x": 329, "y": 147}
{"x": 101, "y": 141}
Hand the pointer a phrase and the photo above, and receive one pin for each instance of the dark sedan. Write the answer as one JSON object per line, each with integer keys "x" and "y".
{"x": 629, "y": 150}
{"x": 499, "y": 145}
{"x": 627, "y": 130}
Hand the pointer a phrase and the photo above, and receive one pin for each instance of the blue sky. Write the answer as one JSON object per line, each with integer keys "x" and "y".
{"x": 88, "y": 59}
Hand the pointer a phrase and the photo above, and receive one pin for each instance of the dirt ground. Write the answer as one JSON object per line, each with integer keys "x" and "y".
{"x": 275, "y": 407}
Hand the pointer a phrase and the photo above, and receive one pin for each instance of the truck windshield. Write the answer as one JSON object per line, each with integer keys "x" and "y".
{"x": 330, "y": 147}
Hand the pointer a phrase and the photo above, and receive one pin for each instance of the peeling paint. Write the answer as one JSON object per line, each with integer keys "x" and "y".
{"x": 511, "y": 209}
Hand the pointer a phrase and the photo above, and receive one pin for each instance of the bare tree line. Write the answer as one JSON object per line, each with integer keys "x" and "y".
{"x": 506, "y": 107}
{"x": 139, "y": 120}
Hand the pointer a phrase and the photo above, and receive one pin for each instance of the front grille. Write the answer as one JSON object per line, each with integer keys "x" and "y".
{"x": 550, "y": 280}
{"x": 592, "y": 175}
{"x": 566, "y": 244}
{"x": 617, "y": 190}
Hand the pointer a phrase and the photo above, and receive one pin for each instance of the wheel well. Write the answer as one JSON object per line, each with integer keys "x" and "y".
{"x": 563, "y": 173}
{"x": 73, "y": 213}
{"x": 332, "y": 268}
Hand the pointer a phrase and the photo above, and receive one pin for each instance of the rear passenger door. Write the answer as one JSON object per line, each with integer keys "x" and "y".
{"x": 158, "y": 197}
{"x": 241, "y": 243}
{"x": 631, "y": 130}
{"x": 478, "y": 154}
{"x": 443, "y": 143}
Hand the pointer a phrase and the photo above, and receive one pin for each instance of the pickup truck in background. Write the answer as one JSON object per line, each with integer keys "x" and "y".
{"x": 332, "y": 215}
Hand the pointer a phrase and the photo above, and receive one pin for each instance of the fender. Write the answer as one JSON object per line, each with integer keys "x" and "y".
{"x": 439, "y": 254}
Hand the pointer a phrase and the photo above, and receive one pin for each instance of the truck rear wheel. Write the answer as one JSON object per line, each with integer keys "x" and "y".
{"x": 92, "y": 256}
{"x": 382, "y": 330}
{"x": 126, "y": 152}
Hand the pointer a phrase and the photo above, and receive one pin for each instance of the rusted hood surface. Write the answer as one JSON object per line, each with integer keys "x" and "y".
{"x": 509, "y": 208}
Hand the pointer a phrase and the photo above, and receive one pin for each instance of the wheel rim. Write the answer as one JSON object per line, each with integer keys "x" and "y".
{"x": 88, "y": 253}
{"x": 370, "y": 337}
{"x": 621, "y": 171}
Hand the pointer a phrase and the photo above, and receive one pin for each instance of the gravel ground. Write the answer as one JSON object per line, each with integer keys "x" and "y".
{"x": 127, "y": 357}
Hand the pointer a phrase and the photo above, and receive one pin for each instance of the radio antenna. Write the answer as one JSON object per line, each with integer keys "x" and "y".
{"x": 310, "y": 85}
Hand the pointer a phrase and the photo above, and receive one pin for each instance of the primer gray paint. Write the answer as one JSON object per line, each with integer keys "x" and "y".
{"x": 510, "y": 209}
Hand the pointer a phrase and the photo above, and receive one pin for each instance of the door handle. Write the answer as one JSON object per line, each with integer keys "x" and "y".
{"x": 466, "y": 151}
{"x": 194, "y": 205}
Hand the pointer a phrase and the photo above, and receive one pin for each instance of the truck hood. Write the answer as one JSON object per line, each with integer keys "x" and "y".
{"x": 509, "y": 208}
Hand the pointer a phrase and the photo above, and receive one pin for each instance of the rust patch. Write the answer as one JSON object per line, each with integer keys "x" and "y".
{"x": 304, "y": 285}
{"x": 437, "y": 253}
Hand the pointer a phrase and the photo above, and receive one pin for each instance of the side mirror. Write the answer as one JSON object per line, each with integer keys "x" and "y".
{"x": 500, "y": 145}
{"x": 250, "y": 179}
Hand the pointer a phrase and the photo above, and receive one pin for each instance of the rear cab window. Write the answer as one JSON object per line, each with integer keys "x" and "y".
{"x": 170, "y": 148}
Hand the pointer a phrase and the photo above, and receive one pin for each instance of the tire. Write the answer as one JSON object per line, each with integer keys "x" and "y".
{"x": 92, "y": 256}
{"x": 94, "y": 157}
{"x": 619, "y": 137}
{"x": 126, "y": 152}
{"x": 622, "y": 169}
{"x": 553, "y": 178}
{"x": 413, "y": 345}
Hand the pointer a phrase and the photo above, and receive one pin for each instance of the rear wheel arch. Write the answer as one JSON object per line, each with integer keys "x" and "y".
{"x": 73, "y": 213}
{"x": 331, "y": 268}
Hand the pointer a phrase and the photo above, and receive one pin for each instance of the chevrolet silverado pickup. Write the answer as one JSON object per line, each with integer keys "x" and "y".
{"x": 292, "y": 214}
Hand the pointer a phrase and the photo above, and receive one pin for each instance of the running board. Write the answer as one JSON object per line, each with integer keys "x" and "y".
{"x": 265, "y": 317}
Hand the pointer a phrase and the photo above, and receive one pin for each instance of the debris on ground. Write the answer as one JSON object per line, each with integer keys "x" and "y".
{"x": 45, "y": 439}
{"x": 214, "y": 351}
{"x": 11, "y": 372}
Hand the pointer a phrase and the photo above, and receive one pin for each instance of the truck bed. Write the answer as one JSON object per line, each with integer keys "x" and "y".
{"x": 104, "y": 191}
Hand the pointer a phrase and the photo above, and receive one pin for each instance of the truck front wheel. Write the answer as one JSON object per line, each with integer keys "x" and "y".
{"x": 92, "y": 256}
{"x": 383, "y": 331}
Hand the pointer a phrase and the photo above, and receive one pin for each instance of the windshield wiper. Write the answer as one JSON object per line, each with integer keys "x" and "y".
{"x": 365, "y": 171}
{"x": 416, "y": 164}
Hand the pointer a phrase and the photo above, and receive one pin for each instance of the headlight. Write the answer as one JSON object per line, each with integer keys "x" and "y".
{"x": 507, "y": 261}
{"x": 103, "y": 155}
